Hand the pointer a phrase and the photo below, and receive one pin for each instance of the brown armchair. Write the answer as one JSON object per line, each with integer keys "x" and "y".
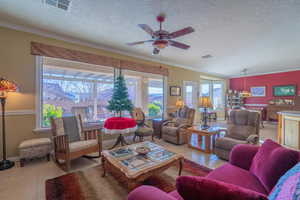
{"x": 243, "y": 128}
{"x": 174, "y": 130}
{"x": 70, "y": 141}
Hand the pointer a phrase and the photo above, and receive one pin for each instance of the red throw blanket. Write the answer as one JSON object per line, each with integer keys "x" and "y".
{"x": 119, "y": 123}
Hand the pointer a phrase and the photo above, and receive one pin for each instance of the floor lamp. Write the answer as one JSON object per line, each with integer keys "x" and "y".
{"x": 5, "y": 86}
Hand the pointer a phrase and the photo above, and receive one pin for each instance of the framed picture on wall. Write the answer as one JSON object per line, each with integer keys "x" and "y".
{"x": 258, "y": 91}
{"x": 175, "y": 91}
{"x": 284, "y": 90}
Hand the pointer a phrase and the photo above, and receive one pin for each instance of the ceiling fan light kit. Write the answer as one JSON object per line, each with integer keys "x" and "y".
{"x": 161, "y": 39}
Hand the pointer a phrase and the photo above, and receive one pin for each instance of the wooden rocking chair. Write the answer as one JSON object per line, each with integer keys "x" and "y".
{"x": 71, "y": 142}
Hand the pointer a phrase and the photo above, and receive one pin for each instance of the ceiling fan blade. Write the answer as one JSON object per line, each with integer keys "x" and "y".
{"x": 178, "y": 44}
{"x": 147, "y": 28}
{"x": 139, "y": 42}
{"x": 181, "y": 32}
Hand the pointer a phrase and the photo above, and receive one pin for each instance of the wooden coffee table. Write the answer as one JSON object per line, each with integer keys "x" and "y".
{"x": 209, "y": 135}
{"x": 132, "y": 169}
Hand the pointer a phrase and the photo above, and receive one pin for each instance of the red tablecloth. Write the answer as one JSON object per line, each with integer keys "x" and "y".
{"x": 119, "y": 125}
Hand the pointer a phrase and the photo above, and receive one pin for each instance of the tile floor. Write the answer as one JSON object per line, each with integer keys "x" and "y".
{"x": 28, "y": 183}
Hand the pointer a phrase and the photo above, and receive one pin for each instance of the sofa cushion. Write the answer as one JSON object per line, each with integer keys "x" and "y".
{"x": 288, "y": 186}
{"x": 196, "y": 188}
{"x": 144, "y": 131}
{"x": 181, "y": 121}
{"x": 271, "y": 162}
{"x": 176, "y": 195}
{"x": 239, "y": 117}
{"x": 240, "y": 132}
{"x": 83, "y": 144}
{"x": 234, "y": 175}
{"x": 228, "y": 143}
{"x": 145, "y": 192}
{"x": 34, "y": 143}
{"x": 167, "y": 130}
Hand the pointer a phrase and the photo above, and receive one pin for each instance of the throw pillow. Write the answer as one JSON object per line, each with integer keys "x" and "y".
{"x": 195, "y": 188}
{"x": 271, "y": 162}
{"x": 288, "y": 186}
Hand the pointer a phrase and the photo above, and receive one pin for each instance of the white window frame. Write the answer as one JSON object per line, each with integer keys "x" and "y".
{"x": 39, "y": 86}
{"x": 211, "y": 92}
{"x": 195, "y": 93}
{"x": 141, "y": 94}
{"x": 165, "y": 92}
{"x": 94, "y": 91}
{"x": 164, "y": 97}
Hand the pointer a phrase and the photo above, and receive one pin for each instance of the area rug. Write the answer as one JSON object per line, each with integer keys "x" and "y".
{"x": 90, "y": 185}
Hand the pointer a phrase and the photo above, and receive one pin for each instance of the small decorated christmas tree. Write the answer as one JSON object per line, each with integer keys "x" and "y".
{"x": 120, "y": 101}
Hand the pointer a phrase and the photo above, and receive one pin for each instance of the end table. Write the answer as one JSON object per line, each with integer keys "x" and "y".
{"x": 157, "y": 125}
{"x": 209, "y": 135}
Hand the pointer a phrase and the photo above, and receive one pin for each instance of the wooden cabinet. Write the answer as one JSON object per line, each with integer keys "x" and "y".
{"x": 272, "y": 110}
{"x": 157, "y": 125}
{"x": 289, "y": 129}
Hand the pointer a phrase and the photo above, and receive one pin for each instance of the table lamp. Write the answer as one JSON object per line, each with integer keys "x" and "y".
{"x": 179, "y": 103}
{"x": 5, "y": 87}
{"x": 205, "y": 102}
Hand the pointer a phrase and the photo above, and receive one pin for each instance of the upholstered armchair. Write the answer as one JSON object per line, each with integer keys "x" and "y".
{"x": 142, "y": 128}
{"x": 71, "y": 141}
{"x": 175, "y": 130}
{"x": 243, "y": 128}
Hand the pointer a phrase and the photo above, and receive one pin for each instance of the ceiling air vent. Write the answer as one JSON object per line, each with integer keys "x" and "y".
{"x": 206, "y": 56}
{"x": 62, "y": 4}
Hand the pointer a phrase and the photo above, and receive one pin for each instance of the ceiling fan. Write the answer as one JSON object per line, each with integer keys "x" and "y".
{"x": 161, "y": 38}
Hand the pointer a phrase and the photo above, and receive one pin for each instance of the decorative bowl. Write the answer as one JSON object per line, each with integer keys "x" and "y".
{"x": 142, "y": 150}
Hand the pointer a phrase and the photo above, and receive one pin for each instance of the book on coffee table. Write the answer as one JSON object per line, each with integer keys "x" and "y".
{"x": 137, "y": 162}
{"x": 122, "y": 152}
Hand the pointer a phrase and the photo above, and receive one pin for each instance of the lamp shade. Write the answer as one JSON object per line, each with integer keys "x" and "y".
{"x": 245, "y": 94}
{"x": 7, "y": 86}
{"x": 205, "y": 102}
{"x": 179, "y": 103}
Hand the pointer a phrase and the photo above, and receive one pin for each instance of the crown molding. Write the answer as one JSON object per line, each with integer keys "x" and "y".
{"x": 92, "y": 45}
{"x": 265, "y": 73}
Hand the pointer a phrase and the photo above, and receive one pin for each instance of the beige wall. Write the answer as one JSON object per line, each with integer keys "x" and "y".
{"x": 16, "y": 63}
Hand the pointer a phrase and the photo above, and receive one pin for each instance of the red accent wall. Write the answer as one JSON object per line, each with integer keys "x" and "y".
{"x": 268, "y": 80}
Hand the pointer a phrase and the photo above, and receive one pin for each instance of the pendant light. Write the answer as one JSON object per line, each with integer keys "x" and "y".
{"x": 245, "y": 92}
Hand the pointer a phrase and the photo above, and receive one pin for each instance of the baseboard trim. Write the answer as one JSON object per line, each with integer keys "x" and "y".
{"x": 14, "y": 158}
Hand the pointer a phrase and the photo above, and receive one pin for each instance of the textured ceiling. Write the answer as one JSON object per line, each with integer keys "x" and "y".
{"x": 261, "y": 35}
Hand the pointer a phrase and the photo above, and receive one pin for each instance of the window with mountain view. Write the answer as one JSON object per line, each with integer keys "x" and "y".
{"x": 69, "y": 91}
{"x": 155, "y": 97}
{"x": 69, "y": 88}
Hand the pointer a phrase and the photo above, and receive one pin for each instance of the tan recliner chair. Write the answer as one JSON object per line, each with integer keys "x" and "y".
{"x": 174, "y": 130}
{"x": 243, "y": 128}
